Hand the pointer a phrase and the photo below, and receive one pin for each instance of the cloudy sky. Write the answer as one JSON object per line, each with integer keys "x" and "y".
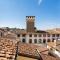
{"x": 13, "y": 12}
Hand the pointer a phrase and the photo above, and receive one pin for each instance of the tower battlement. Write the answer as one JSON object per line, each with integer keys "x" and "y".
{"x": 30, "y": 17}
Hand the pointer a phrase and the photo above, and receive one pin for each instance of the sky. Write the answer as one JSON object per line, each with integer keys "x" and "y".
{"x": 13, "y": 13}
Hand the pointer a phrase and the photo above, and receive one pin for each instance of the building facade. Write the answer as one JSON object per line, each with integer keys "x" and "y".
{"x": 30, "y": 35}
{"x": 38, "y": 38}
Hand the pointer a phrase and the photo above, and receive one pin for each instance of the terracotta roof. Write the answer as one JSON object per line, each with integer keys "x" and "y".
{"x": 41, "y": 31}
{"x": 51, "y": 44}
{"x": 20, "y": 31}
{"x": 7, "y": 49}
{"x": 58, "y": 45}
{"x": 53, "y": 31}
{"x": 30, "y": 50}
{"x": 48, "y": 57}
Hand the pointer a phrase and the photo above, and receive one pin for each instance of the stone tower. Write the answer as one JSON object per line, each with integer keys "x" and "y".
{"x": 30, "y": 23}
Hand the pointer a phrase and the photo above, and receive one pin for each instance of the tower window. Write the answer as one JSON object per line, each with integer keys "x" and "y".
{"x": 30, "y": 16}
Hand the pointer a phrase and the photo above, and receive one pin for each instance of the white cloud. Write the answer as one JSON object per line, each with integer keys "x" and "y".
{"x": 39, "y": 2}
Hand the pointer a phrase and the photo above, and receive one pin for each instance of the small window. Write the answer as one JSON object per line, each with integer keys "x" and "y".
{"x": 35, "y": 40}
{"x": 44, "y": 35}
{"x": 48, "y": 35}
{"x": 30, "y": 40}
{"x": 53, "y": 35}
{"x": 57, "y": 35}
{"x": 18, "y": 35}
{"x": 23, "y": 40}
{"x": 44, "y": 40}
{"x": 30, "y": 35}
{"x": 48, "y": 40}
{"x": 53, "y": 40}
{"x": 40, "y": 35}
{"x": 35, "y": 35}
{"x": 23, "y": 35}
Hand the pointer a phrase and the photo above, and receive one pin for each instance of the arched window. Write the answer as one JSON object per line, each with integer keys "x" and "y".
{"x": 44, "y": 40}
{"x": 35, "y": 40}
{"x": 23, "y": 40}
{"x": 40, "y": 41}
{"x": 30, "y": 40}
